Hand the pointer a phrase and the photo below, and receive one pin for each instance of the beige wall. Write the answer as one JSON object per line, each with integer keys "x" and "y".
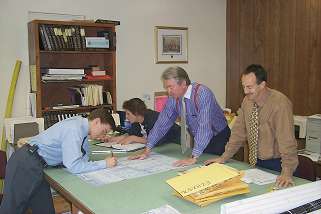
{"x": 137, "y": 74}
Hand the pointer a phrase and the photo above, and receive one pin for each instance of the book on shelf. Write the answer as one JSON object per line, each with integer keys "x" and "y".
{"x": 66, "y": 71}
{"x": 98, "y": 73}
{"x": 48, "y": 77}
{"x": 89, "y": 95}
{"x": 45, "y": 38}
{"x": 103, "y": 77}
{"x": 107, "y": 98}
{"x": 97, "y": 42}
{"x": 64, "y": 107}
{"x": 62, "y": 74}
{"x": 83, "y": 37}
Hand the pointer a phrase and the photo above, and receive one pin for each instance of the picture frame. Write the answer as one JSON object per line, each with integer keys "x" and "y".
{"x": 171, "y": 44}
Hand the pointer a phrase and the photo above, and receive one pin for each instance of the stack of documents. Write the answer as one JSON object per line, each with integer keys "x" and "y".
{"x": 258, "y": 177}
{"x": 129, "y": 147}
{"x": 123, "y": 147}
{"x": 207, "y": 184}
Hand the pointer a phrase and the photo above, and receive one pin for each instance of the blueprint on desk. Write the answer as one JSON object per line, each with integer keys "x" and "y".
{"x": 127, "y": 169}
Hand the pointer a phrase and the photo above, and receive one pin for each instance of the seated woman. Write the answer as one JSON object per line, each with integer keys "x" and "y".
{"x": 142, "y": 121}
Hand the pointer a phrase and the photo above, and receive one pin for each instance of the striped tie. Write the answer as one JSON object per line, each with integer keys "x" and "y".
{"x": 253, "y": 135}
{"x": 185, "y": 137}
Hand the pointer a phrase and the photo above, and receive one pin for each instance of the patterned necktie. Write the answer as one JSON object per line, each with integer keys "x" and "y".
{"x": 185, "y": 140}
{"x": 83, "y": 151}
{"x": 253, "y": 135}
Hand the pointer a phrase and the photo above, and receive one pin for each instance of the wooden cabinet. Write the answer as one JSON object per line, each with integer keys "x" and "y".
{"x": 68, "y": 52}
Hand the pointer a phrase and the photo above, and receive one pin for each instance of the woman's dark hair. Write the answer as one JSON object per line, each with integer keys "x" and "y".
{"x": 135, "y": 106}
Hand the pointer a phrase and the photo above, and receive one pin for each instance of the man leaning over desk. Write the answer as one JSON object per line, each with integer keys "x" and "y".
{"x": 204, "y": 117}
{"x": 265, "y": 120}
{"x": 64, "y": 143}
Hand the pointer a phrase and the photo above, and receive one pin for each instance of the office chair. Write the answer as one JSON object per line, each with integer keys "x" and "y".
{"x": 306, "y": 168}
{"x": 3, "y": 163}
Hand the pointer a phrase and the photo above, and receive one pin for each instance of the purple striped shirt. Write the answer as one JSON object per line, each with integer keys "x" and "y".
{"x": 204, "y": 118}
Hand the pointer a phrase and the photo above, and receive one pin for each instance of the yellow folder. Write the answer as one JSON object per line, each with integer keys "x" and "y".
{"x": 202, "y": 178}
{"x": 205, "y": 185}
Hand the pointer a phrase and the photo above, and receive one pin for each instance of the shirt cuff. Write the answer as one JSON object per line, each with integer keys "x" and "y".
{"x": 101, "y": 164}
{"x": 196, "y": 153}
{"x": 148, "y": 146}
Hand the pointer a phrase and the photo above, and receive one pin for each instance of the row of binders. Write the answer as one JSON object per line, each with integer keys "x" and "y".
{"x": 207, "y": 184}
{"x": 62, "y": 37}
{"x": 89, "y": 95}
{"x": 73, "y": 38}
{"x": 50, "y": 118}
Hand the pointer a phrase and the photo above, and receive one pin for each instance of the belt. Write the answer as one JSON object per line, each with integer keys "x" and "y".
{"x": 32, "y": 149}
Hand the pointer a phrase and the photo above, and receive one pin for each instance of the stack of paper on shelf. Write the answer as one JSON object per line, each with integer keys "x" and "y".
{"x": 207, "y": 184}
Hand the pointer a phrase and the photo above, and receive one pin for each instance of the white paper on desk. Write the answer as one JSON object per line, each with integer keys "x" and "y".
{"x": 166, "y": 209}
{"x": 312, "y": 155}
{"x": 258, "y": 177}
{"x": 106, "y": 144}
{"x": 129, "y": 147}
{"x": 127, "y": 169}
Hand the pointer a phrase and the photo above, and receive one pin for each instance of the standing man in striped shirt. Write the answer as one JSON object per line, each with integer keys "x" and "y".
{"x": 204, "y": 117}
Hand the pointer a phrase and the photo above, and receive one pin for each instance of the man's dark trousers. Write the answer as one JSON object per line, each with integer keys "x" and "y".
{"x": 25, "y": 186}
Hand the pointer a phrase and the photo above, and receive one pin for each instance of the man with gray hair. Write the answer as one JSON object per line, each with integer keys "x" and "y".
{"x": 200, "y": 114}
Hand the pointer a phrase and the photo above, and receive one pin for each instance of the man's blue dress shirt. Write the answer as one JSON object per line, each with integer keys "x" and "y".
{"x": 61, "y": 144}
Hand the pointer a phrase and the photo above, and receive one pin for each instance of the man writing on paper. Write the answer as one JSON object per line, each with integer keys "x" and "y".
{"x": 265, "y": 120}
{"x": 200, "y": 115}
{"x": 64, "y": 143}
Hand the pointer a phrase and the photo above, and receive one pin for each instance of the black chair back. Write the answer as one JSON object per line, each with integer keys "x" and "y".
{"x": 306, "y": 168}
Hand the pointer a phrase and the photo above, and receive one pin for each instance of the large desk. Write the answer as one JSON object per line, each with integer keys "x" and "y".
{"x": 139, "y": 194}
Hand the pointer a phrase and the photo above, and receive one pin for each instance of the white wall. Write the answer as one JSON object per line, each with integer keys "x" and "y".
{"x": 137, "y": 74}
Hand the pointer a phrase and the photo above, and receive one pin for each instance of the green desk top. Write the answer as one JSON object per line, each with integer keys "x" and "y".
{"x": 142, "y": 194}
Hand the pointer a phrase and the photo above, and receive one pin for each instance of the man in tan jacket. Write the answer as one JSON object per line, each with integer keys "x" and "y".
{"x": 274, "y": 145}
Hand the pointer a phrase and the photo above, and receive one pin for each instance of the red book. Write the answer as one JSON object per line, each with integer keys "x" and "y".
{"x": 104, "y": 77}
{"x": 98, "y": 73}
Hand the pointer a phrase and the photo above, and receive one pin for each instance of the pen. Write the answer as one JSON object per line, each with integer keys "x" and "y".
{"x": 108, "y": 151}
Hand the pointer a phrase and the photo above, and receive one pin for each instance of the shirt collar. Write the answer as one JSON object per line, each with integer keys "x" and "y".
{"x": 264, "y": 97}
{"x": 188, "y": 92}
{"x": 85, "y": 126}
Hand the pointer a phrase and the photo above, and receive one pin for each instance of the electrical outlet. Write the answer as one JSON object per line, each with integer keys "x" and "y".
{"x": 146, "y": 97}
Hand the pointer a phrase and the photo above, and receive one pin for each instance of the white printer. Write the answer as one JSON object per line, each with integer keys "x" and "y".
{"x": 313, "y": 137}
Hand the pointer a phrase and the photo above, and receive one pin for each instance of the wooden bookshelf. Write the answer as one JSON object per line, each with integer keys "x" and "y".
{"x": 54, "y": 93}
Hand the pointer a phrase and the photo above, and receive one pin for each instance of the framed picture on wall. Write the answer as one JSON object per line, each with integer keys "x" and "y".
{"x": 171, "y": 44}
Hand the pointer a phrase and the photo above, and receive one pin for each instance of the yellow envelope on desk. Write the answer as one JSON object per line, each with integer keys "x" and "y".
{"x": 237, "y": 190}
{"x": 202, "y": 178}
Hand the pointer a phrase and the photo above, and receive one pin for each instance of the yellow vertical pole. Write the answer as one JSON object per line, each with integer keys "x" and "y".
{"x": 10, "y": 98}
